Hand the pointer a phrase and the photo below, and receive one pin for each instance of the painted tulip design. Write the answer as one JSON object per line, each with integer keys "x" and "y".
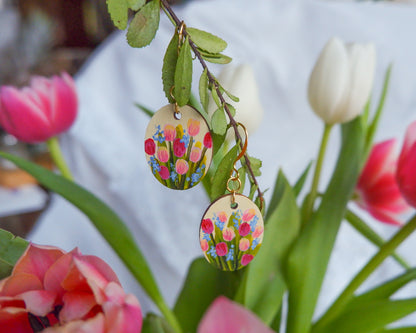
{"x": 221, "y": 249}
{"x": 244, "y": 229}
{"x": 248, "y": 215}
{"x": 193, "y": 127}
{"x": 150, "y": 147}
{"x": 70, "y": 292}
{"x": 169, "y": 132}
{"x": 406, "y": 174}
{"x": 246, "y": 259}
{"x": 163, "y": 154}
{"x": 195, "y": 154}
{"x": 40, "y": 111}
{"x": 228, "y": 234}
{"x": 164, "y": 172}
{"x": 208, "y": 140}
{"x": 181, "y": 167}
{"x": 377, "y": 191}
{"x": 244, "y": 244}
{"x": 179, "y": 148}
{"x": 222, "y": 216}
{"x": 341, "y": 80}
{"x": 204, "y": 245}
{"x": 207, "y": 226}
{"x": 258, "y": 231}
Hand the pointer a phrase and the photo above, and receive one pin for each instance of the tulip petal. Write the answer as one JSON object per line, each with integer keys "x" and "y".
{"x": 65, "y": 103}
{"x": 93, "y": 325}
{"x": 15, "y": 321}
{"x": 21, "y": 282}
{"x": 329, "y": 81}
{"x": 126, "y": 318}
{"x": 76, "y": 306}
{"x": 57, "y": 273}
{"x": 38, "y": 302}
{"x": 225, "y": 316}
{"x": 22, "y": 116}
{"x": 406, "y": 175}
{"x": 37, "y": 259}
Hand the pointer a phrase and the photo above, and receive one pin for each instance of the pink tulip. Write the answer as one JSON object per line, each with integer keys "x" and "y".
{"x": 207, "y": 226}
{"x": 204, "y": 245}
{"x": 406, "y": 169}
{"x": 258, "y": 231}
{"x": 222, "y": 216}
{"x": 377, "y": 190}
{"x": 36, "y": 113}
{"x": 244, "y": 244}
{"x": 221, "y": 249}
{"x": 77, "y": 293}
{"x": 193, "y": 127}
{"x": 163, "y": 154}
{"x": 181, "y": 166}
{"x": 225, "y": 316}
{"x": 248, "y": 215}
{"x": 195, "y": 154}
{"x": 244, "y": 229}
{"x": 170, "y": 132}
{"x": 228, "y": 234}
{"x": 246, "y": 258}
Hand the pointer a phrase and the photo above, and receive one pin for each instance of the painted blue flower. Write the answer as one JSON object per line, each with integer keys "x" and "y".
{"x": 230, "y": 255}
{"x": 206, "y": 237}
{"x": 154, "y": 164}
{"x": 212, "y": 252}
{"x": 218, "y": 222}
{"x": 253, "y": 223}
{"x": 185, "y": 140}
{"x": 236, "y": 218}
{"x": 173, "y": 176}
{"x": 158, "y": 136}
{"x": 255, "y": 243}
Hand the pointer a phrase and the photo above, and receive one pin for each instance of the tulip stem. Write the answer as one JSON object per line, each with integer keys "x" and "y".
{"x": 169, "y": 316}
{"x": 386, "y": 250}
{"x": 58, "y": 157}
{"x": 310, "y": 199}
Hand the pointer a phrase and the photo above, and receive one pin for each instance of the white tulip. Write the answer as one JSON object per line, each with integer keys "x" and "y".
{"x": 341, "y": 81}
{"x": 240, "y": 81}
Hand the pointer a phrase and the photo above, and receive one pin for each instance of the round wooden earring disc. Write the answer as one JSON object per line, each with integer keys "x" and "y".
{"x": 231, "y": 237}
{"x": 178, "y": 147}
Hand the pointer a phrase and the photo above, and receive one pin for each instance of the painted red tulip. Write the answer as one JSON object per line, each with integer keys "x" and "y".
{"x": 221, "y": 249}
{"x": 258, "y": 231}
{"x": 207, "y": 226}
{"x": 70, "y": 292}
{"x": 204, "y": 245}
{"x": 178, "y": 148}
{"x": 164, "y": 172}
{"x": 248, "y": 215}
{"x": 226, "y": 316}
{"x": 170, "y": 132}
{"x": 208, "y": 140}
{"x": 150, "y": 147}
{"x": 244, "y": 229}
{"x": 377, "y": 191}
{"x": 406, "y": 169}
{"x": 246, "y": 258}
{"x": 40, "y": 111}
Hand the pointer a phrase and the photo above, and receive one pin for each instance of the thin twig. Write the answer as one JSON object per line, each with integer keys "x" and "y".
{"x": 214, "y": 84}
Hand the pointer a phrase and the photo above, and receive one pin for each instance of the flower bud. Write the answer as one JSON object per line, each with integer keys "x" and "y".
{"x": 36, "y": 113}
{"x": 341, "y": 81}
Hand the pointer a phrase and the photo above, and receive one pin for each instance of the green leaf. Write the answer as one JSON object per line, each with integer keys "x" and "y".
{"x": 216, "y": 98}
{"x": 297, "y": 188}
{"x": 202, "y": 286}
{"x": 370, "y": 316}
{"x": 255, "y": 166}
{"x": 265, "y": 284}
{"x": 183, "y": 74}
{"x": 308, "y": 259}
{"x": 111, "y": 227}
{"x": 219, "y": 183}
{"x": 217, "y": 58}
{"x": 243, "y": 176}
{"x": 410, "y": 329}
{"x": 231, "y": 109}
{"x": 155, "y": 324}
{"x": 206, "y": 40}
{"x": 146, "y": 110}
{"x": 118, "y": 10}
{"x": 203, "y": 90}
{"x": 143, "y": 27}
{"x": 230, "y": 95}
{"x": 11, "y": 249}
{"x": 136, "y": 4}
{"x": 169, "y": 66}
{"x": 219, "y": 122}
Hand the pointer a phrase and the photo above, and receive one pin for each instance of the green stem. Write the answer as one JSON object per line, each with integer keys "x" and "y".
{"x": 58, "y": 158}
{"x": 169, "y": 316}
{"x": 358, "y": 224}
{"x": 310, "y": 199}
{"x": 386, "y": 250}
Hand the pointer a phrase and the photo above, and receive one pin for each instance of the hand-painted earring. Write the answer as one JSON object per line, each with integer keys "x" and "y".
{"x": 178, "y": 146}
{"x": 231, "y": 230}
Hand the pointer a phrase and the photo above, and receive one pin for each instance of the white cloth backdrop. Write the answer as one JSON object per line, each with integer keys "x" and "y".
{"x": 281, "y": 39}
